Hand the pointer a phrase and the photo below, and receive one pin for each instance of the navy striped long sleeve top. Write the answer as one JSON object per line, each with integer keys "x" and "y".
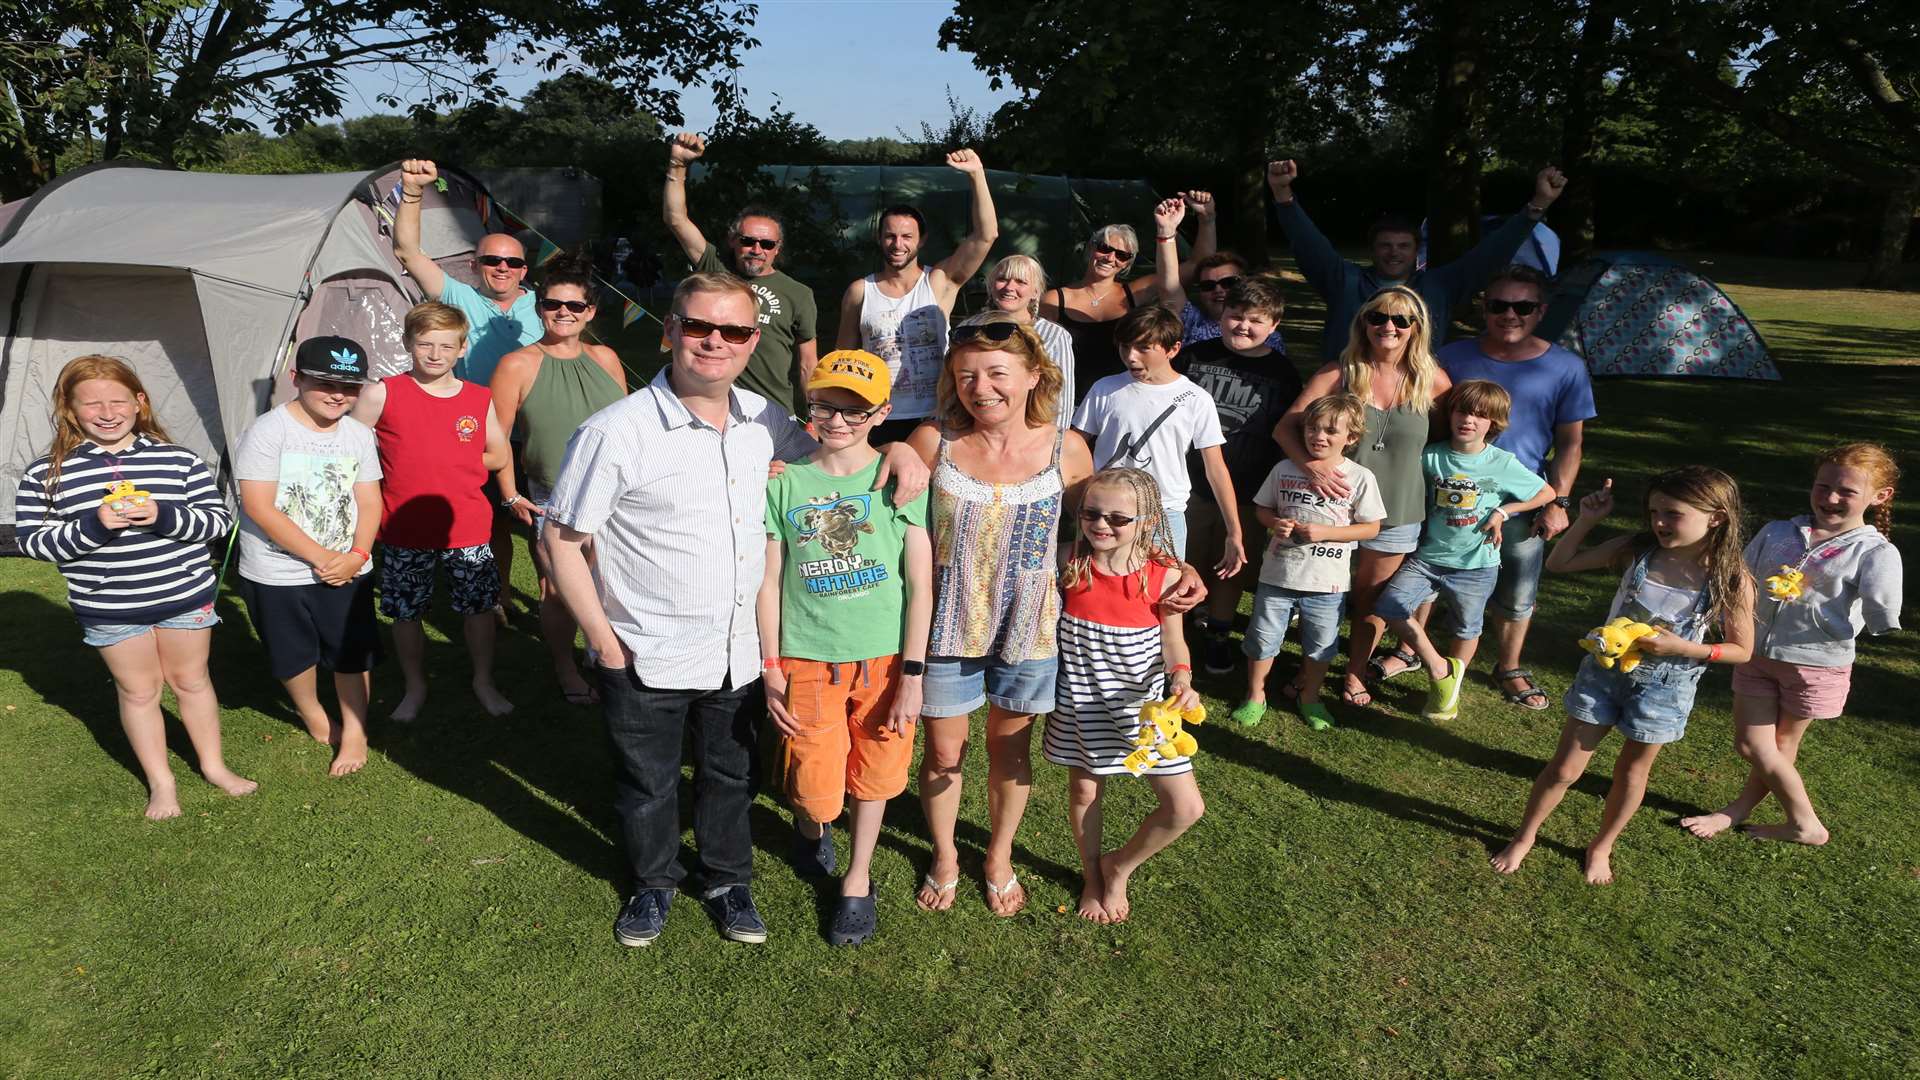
{"x": 139, "y": 575}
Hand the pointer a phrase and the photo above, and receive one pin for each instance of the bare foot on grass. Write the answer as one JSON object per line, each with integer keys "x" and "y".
{"x": 1091, "y": 907}
{"x": 496, "y": 705}
{"x": 322, "y": 728}
{"x": 1510, "y": 857}
{"x": 1789, "y": 833}
{"x": 231, "y": 782}
{"x": 1599, "y": 867}
{"x": 163, "y": 803}
{"x": 351, "y": 756}
{"x": 1707, "y": 826}
{"x": 410, "y": 705}
{"x": 1115, "y": 897}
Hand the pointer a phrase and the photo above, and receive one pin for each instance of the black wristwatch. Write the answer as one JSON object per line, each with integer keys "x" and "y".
{"x": 1564, "y": 502}
{"x": 913, "y": 667}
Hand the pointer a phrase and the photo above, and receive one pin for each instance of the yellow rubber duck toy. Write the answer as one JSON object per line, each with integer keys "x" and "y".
{"x": 1787, "y": 584}
{"x": 123, "y": 496}
{"x": 1617, "y": 644}
{"x": 1162, "y": 736}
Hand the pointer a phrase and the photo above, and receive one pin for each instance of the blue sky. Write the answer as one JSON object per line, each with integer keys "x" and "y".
{"x": 852, "y": 68}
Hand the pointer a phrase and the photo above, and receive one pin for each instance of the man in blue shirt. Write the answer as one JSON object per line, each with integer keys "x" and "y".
{"x": 1552, "y": 401}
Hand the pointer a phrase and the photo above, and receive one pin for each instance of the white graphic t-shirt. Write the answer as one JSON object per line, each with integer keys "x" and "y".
{"x": 1324, "y": 566}
{"x": 315, "y": 473}
{"x": 910, "y": 334}
{"x": 1152, "y": 427}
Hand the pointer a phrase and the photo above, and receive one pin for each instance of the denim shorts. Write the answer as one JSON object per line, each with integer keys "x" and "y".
{"x": 1398, "y": 540}
{"x": 1273, "y": 608}
{"x": 102, "y": 635}
{"x": 1418, "y": 581}
{"x": 1522, "y": 555}
{"x": 957, "y": 685}
{"x": 1650, "y": 705}
{"x": 1177, "y": 525}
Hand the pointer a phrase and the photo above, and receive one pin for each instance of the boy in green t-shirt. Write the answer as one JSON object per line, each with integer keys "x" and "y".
{"x": 844, "y": 612}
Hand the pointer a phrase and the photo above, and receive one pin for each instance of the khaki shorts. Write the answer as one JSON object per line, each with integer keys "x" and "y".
{"x": 1207, "y": 536}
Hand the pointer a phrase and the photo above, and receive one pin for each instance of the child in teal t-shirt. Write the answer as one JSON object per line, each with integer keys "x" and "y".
{"x": 844, "y": 614}
{"x": 1473, "y": 489}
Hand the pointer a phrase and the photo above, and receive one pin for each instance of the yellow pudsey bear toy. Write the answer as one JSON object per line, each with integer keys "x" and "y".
{"x": 1161, "y": 737}
{"x": 1786, "y": 584}
{"x": 123, "y": 496}
{"x": 1618, "y": 643}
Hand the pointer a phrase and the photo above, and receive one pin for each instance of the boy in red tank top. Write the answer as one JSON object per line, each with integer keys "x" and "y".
{"x": 438, "y": 440}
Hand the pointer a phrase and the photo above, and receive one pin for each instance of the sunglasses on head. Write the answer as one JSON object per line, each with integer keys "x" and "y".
{"x": 1522, "y": 308}
{"x": 1118, "y": 254}
{"x": 575, "y": 306}
{"x": 761, "y": 242}
{"x": 511, "y": 262}
{"x": 1114, "y": 521}
{"x": 821, "y": 411}
{"x": 701, "y": 329}
{"x": 1218, "y": 283}
{"x": 994, "y": 332}
{"x": 1381, "y": 318}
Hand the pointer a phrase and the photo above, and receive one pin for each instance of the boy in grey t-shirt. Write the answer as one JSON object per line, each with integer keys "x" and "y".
{"x": 310, "y": 504}
{"x": 1309, "y": 558}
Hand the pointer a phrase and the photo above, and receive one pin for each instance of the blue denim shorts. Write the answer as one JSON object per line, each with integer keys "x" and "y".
{"x": 957, "y": 685}
{"x": 1650, "y": 705}
{"x": 1522, "y": 555}
{"x": 1273, "y": 608}
{"x": 1418, "y": 581}
{"x": 102, "y": 635}
{"x": 1177, "y": 525}
{"x": 1398, "y": 540}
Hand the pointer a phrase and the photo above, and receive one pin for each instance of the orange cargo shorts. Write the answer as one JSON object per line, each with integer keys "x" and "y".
{"x": 844, "y": 747}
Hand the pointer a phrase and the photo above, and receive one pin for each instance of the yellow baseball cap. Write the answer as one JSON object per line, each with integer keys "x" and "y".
{"x": 853, "y": 369}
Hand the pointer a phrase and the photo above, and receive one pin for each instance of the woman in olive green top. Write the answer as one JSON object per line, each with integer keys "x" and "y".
{"x": 1389, "y": 366}
{"x": 549, "y": 388}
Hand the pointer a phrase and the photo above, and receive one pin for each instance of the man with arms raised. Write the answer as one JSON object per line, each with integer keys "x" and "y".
{"x": 899, "y": 313}
{"x": 670, "y": 483}
{"x": 786, "y": 352}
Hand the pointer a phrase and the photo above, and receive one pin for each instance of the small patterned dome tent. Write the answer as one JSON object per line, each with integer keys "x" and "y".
{"x": 1633, "y": 313}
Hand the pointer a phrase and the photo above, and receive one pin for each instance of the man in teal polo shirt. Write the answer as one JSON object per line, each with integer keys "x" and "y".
{"x": 500, "y": 313}
{"x": 501, "y": 317}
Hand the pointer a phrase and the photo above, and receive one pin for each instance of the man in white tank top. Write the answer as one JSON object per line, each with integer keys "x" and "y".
{"x": 899, "y": 312}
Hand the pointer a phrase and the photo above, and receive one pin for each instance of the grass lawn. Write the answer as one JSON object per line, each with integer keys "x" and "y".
{"x": 446, "y": 912}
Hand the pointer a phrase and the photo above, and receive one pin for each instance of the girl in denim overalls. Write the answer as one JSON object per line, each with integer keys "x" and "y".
{"x": 1683, "y": 576}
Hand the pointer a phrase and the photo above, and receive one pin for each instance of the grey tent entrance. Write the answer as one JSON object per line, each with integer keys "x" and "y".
{"x": 202, "y": 281}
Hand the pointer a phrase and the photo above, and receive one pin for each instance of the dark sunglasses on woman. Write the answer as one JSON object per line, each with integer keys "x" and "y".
{"x": 1119, "y": 254}
{"x": 511, "y": 262}
{"x": 578, "y": 307}
{"x": 1114, "y": 521}
{"x": 1522, "y": 308}
{"x": 995, "y": 332}
{"x": 1381, "y": 318}
{"x": 701, "y": 329}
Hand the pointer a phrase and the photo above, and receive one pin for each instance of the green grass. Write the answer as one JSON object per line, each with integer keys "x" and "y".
{"x": 446, "y": 911}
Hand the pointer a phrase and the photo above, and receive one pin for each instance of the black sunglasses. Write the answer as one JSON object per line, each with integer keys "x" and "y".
{"x": 701, "y": 329}
{"x": 1217, "y": 283}
{"x": 575, "y": 306}
{"x": 820, "y": 410}
{"x": 1120, "y": 254}
{"x": 995, "y": 332}
{"x": 1116, "y": 521}
{"x": 760, "y": 242}
{"x": 512, "y": 262}
{"x": 1522, "y": 308}
{"x": 1381, "y": 318}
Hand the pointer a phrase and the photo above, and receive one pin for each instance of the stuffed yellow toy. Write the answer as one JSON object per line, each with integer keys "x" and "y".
{"x": 1786, "y": 584}
{"x": 1161, "y": 736}
{"x": 1618, "y": 643}
{"x": 123, "y": 496}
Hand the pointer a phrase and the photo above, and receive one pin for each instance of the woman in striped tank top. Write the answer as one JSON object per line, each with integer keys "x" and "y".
{"x": 127, "y": 516}
{"x": 1115, "y": 638}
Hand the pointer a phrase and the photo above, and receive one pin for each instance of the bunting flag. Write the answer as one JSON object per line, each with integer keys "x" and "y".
{"x": 485, "y": 206}
{"x": 548, "y": 249}
{"x": 510, "y": 221}
{"x": 631, "y": 313}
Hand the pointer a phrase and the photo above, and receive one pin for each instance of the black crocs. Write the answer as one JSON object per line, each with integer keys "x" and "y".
{"x": 854, "y": 920}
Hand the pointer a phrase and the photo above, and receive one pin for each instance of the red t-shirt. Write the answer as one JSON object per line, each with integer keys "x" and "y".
{"x": 432, "y": 472}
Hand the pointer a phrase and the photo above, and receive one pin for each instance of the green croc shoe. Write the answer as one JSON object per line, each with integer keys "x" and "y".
{"x": 1316, "y": 716}
{"x": 1443, "y": 698}
{"x": 1249, "y": 713}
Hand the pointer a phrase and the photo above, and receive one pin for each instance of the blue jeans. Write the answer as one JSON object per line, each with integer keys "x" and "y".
{"x": 1418, "y": 581}
{"x": 645, "y": 728}
{"x": 1274, "y": 606}
{"x": 1522, "y": 555}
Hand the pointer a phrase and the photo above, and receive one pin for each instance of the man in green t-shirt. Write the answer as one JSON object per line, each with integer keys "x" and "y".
{"x": 788, "y": 317}
{"x": 844, "y": 614}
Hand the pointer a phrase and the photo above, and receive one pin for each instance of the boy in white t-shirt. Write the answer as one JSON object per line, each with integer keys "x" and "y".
{"x": 1150, "y": 416}
{"x": 1309, "y": 558}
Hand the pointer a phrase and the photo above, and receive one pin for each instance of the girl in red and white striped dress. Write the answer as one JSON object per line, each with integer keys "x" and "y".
{"x": 1118, "y": 651}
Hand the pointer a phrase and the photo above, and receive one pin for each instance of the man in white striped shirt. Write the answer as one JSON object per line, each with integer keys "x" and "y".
{"x": 670, "y": 484}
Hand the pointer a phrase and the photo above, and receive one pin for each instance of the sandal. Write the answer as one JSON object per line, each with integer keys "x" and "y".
{"x": 1532, "y": 698}
{"x": 1409, "y": 661}
{"x": 1359, "y": 699}
{"x": 937, "y": 888}
{"x": 999, "y": 892}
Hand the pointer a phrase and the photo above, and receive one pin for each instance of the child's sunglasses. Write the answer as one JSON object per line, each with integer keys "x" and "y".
{"x": 1381, "y": 318}
{"x": 1114, "y": 521}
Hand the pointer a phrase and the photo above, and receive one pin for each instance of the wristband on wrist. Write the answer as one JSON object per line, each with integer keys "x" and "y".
{"x": 1713, "y": 655}
{"x": 771, "y": 663}
{"x": 1178, "y": 668}
{"x": 1502, "y": 511}
{"x": 1165, "y": 239}
{"x": 364, "y": 556}
{"x": 508, "y": 504}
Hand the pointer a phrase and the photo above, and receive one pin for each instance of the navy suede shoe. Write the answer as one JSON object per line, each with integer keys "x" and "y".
{"x": 732, "y": 909}
{"x": 642, "y": 917}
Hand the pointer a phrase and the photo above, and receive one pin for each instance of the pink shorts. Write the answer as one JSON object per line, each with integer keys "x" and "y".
{"x": 1817, "y": 693}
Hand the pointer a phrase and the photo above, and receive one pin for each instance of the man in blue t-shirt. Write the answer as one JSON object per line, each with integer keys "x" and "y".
{"x": 1552, "y": 401}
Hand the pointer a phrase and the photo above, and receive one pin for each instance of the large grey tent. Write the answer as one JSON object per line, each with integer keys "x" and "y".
{"x": 202, "y": 281}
